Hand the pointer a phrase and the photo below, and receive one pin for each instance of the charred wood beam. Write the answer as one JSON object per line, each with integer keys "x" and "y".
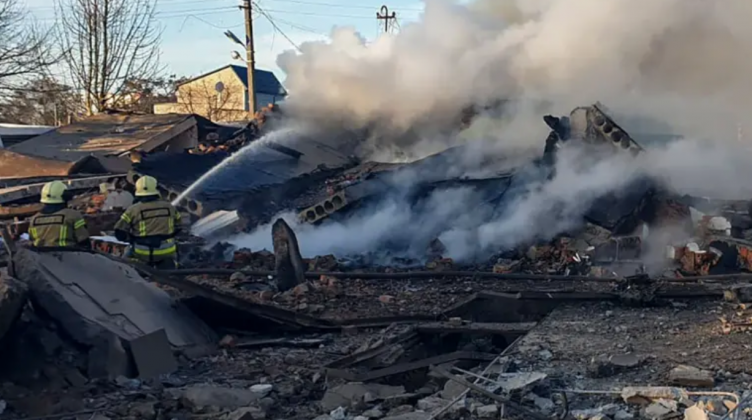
{"x": 362, "y": 356}
{"x": 25, "y": 210}
{"x": 288, "y": 261}
{"x": 486, "y": 328}
{"x": 407, "y": 367}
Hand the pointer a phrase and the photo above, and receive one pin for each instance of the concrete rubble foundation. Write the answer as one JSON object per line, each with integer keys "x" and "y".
{"x": 109, "y": 308}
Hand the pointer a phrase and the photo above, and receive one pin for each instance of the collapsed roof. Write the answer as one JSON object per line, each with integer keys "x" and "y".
{"x": 15, "y": 165}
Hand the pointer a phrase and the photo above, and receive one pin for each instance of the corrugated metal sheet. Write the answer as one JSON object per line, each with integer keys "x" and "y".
{"x": 101, "y": 135}
{"x": 15, "y": 165}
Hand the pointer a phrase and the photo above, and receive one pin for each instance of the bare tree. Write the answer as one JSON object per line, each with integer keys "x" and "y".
{"x": 202, "y": 98}
{"x": 105, "y": 43}
{"x": 24, "y": 49}
{"x": 41, "y": 101}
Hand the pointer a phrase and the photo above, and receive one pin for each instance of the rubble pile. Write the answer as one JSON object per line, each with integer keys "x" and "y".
{"x": 605, "y": 321}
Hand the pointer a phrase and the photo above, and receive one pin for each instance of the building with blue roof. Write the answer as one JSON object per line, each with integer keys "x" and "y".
{"x": 221, "y": 94}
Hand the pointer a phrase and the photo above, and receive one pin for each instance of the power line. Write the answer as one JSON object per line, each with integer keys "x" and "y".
{"x": 301, "y": 27}
{"x": 339, "y": 5}
{"x": 175, "y": 14}
{"x": 159, "y": 3}
{"x": 215, "y": 26}
{"x": 274, "y": 25}
{"x": 291, "y": 12}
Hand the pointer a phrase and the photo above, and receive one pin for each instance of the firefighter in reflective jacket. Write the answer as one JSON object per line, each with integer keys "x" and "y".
{"x": 150, "y": 225}
{"x": 56, "y": 225}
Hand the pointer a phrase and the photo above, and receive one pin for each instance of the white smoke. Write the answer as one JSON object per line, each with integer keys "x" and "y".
{"x": 684, "y": 63}
{"x": 470, "y": 229}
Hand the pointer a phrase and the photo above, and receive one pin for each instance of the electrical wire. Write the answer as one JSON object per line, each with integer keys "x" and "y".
{"x": 274, "y": 25}
{"x": 175, "y": 14}
{"x": 293, "y": 12}
{"x": 158, "y": 3}
{"x": 215, "y": 26}
{"x": 340, "y": 5}
{"x": 300, "y": 27}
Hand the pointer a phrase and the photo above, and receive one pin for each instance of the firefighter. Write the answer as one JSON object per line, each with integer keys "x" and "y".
{"x": 150, "y": 225}
{"x": 56, "y": 225}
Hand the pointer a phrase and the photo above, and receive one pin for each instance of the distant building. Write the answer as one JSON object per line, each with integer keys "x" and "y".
{"x": 220, "y": 95}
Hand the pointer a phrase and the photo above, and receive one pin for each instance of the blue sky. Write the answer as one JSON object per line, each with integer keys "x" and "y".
{"x": 193, "y": 43}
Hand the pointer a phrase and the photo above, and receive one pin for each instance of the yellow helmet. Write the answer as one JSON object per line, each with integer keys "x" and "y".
{"x": 52, "y": 193}
{"x": 146, "y": 186}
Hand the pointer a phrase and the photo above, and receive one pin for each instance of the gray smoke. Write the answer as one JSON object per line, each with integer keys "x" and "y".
{"x": 683, "y": 63}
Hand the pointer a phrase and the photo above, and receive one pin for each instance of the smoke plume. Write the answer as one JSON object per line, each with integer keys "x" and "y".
{"x": 683, "y": 63}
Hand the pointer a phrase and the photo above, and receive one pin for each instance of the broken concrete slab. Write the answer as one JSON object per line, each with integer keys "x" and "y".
{"x": 487, "y": 411}
{"x": 106, "y": 305}
{"x": 659, "y": 409}
{"x": 262, "y": 389}
{"x": 511, "y": 382}
{"x": 152, "y": 354}
{"x": 691, "y": 376}
{"x": 346, "y": 394}
{"x": 288, "y": 261}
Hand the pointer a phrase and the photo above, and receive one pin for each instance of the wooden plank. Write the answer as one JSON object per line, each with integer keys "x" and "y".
{"x": 406, "y": 367}
{"x": 25, "y": 210}
{"x": 362, "y": 356}
{"x": 489, "y": 328}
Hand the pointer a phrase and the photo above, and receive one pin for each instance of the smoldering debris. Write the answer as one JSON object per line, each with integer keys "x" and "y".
{"x": 403, "y": 207}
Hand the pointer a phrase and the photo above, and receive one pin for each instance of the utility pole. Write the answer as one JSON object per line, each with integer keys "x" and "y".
{"x": 249, "y": 57}
{"x": 386, "y": 17}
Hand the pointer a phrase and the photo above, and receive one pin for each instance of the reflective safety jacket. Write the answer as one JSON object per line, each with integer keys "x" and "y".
{"x": 151, "y": 227}
{"x": 63, "y": 228}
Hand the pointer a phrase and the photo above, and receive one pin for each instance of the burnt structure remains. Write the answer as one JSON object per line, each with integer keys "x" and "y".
{"x": 602, "y": 319}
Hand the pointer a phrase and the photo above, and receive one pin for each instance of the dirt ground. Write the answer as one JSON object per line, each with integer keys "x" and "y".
{"x": 575, "y": 341}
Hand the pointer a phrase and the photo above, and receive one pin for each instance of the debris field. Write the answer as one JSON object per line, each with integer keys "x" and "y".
{"x": 578, "y": 326}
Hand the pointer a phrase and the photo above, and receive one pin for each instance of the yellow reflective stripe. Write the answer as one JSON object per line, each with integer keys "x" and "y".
{"x": 63, "y": 235}
{"x": 142, "y": 228}
{"x": 79, "y": 224}
{"x": 124, "y": 217}
{"x": 34, "y": 236}
{"x": 157, "y": 252}
{"x": 170, "y": 226}
{"x": 177, "y": 216}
